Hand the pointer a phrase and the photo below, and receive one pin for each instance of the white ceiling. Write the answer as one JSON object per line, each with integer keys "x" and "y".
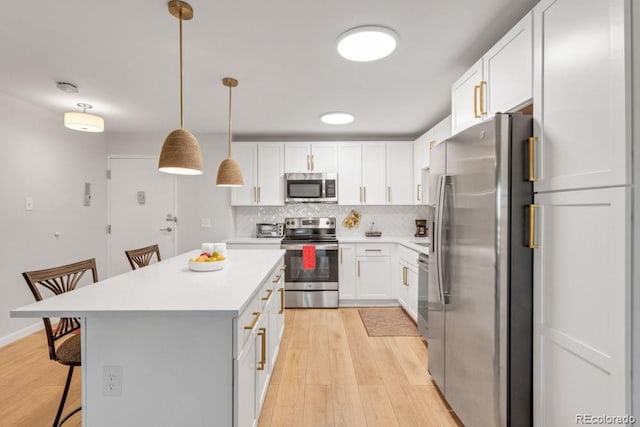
{"x": 123, "y": 56}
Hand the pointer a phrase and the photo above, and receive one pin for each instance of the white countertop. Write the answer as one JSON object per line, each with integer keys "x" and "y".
{"x": 409, "y": 242}
{"x": 167, "y": 286}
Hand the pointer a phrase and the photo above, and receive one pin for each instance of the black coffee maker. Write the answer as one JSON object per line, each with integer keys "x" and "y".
{"x": 421, "y": 228}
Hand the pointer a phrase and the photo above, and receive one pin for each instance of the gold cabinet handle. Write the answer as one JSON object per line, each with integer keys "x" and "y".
{"x": 309, "y": 162}
{"x": 281, "y": 290}
{"x": 360, "y": 194}
{"x": 418, "y": 191}
{"x": 255, "y": 199}
{"x": 313, "y": 162}
{"x": 358, "y": 268}
{"x": 476, "y": 89}
{"x": 532, "y": 226}
{"x": 269, "y": 291}
{"x": 389, "y": 194}
{"x": 276, "y": 279}
{"x": 532, "y": 153}
{"x": 263, "y": 356}
{"x": 256, "y": 316}
{"x": 258, "y": 194}
{"x": 364, "y": 190}
{"x": 373, "y": 250}
{"x": 341, "y": 256}
{"x": 284, "y": 267}
{"x": 483, "y": 86}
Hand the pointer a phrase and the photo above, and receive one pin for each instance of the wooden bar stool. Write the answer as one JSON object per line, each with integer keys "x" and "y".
{"x": 59, "y": 280}
{"x": 142, "y": 256}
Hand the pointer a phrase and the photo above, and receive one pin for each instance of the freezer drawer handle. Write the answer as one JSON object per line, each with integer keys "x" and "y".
{"x": 532, "y": 226}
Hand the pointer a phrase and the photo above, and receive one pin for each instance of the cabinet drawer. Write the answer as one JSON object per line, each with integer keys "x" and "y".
{"x": 409, "y": 255}
{"x": 367, "y": 249}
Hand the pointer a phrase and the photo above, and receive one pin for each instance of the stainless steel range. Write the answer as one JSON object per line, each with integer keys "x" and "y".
{"x": 311, "y": 277}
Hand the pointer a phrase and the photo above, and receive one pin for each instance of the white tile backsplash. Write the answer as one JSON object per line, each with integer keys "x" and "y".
{"x": 391, "y": 220}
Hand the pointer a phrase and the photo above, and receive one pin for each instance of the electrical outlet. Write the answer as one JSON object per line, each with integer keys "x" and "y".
{"x": 28, "y": 204}
{"x": 112, "y": 380}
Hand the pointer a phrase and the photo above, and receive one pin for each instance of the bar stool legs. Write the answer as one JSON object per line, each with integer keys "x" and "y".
{"x": 64, "y": 399}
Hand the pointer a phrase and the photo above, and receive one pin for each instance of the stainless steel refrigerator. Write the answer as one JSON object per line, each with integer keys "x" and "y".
{"x": 479, "y": 292}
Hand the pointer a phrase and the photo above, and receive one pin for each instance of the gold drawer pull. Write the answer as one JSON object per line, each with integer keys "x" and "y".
{"x": 281, "y": 290}
{"x": 532, "y": 153}
{"x": 476, "y": 89}
{"x": 284, "y": 267}
{"x": 268, "y": 295}
{"x": 276, "y": 279}
{"x": 532, "y": 226}
{"x": 256, "y": 316}
{"x": 483, "y": 86}
{"x": 263, "y": 359}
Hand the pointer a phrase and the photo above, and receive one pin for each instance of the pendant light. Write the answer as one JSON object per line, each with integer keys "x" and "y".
{"x": 180, "y": 152}
{"x": 84, "y": 121}
{"x": 229, "y": 171}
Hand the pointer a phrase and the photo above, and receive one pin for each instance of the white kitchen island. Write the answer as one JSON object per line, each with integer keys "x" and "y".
{"x": 192, "y": 348}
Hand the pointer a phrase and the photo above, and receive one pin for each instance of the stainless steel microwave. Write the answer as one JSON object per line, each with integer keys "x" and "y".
{"x": 311, "y": 188}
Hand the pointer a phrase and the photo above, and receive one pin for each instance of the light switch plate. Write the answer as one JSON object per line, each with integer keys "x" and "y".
{"x": 28, "y": 204}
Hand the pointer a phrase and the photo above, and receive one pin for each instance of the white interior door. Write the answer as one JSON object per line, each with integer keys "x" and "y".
{"x": 141, "y": 209}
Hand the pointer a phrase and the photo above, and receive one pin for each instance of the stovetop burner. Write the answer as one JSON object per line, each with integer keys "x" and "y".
{"x": 310, "y": 229}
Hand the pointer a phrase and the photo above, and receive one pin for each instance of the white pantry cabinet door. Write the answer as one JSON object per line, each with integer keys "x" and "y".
{"x": 581, "y": 101}
{"x": 347, "y": 272}
{"x": 465, "y": 99}
{"x": 581, "y": 277}
{"x": 400, "y": 173}
{"x": 374, "y": 173}
{"x": 247, "y": 155}
{"x": 374, "y": 277}
{"x": 350, "y": 173}
{"x": 297, "y": 157}
{"x": 324, "y": 157}
{"x": 270, "y": 174}
{"x": 508, "y": 69}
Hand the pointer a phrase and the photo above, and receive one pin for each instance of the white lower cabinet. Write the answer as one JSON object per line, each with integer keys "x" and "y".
{"x": 406, "y": 280}
{"x": 373, "y": 271}
{"x": 347, "y": 272}
{"x": 259, "y": 331}
{"x": 581, "y": 287}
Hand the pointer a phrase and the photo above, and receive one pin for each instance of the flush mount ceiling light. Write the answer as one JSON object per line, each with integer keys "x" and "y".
{"x": 67, "y": 87}
{"x": 229, "y": 171}
{"x": 84, "y": 121}
{"x": 367, "y": 43}
{"x": 180, "y": 153}
{"x": 336, "y": 118}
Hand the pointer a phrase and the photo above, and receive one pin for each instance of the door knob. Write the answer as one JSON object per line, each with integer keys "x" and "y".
{"x": 166, "y": 229}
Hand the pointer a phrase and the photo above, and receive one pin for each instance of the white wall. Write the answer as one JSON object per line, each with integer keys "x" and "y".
{"x": 198, "y": 196}
{"x": 42, "y": 159}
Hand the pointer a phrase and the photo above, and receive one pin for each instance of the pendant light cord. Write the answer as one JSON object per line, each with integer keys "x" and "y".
{"x": 181, "y": 113}
{"x": 229, "y": 121}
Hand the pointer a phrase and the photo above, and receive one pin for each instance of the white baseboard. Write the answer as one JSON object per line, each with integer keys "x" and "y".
{"x": 15, "y": 336}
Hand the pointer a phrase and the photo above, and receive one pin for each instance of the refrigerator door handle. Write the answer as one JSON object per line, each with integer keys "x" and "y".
{"x": 438, "y": 233}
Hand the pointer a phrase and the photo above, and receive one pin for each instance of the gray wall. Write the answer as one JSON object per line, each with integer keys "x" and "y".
{"x": 44, "y": 160}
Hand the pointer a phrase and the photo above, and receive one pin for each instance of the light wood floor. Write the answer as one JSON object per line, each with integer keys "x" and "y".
{"x": 329, "y": 373}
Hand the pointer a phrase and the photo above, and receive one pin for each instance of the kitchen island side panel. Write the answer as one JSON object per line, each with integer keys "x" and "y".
{"x": 177, "y": 369}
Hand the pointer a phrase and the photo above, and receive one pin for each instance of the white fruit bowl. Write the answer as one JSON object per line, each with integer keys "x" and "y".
{"x": 207, "y": 266}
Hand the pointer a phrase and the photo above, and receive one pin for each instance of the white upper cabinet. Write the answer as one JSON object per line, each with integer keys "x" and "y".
{"x": 440, "y": 132}
{"x": 465, "y": 99}
{"x": 581, "y": 97}
{"x": 420, "y": 161}
{"x": 400, "y": 173}
{"x": 311, "y": 157}
{"x": 501, "y": 81}
{"x": 350, "y": 173}
{"x": 263, "y": 171}
{"x": 374, "y": 173}
{"x": 508, "y": 70}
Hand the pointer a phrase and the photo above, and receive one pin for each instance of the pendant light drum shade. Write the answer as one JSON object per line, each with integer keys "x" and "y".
{"x": 180, "y": 154}
{"x": 84, "y": 122}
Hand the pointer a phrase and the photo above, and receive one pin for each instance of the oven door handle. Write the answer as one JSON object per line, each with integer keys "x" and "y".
{"x": 324, "y": 247}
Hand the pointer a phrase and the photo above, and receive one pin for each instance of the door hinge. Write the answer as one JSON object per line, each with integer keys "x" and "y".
{"x": 109, "y": 229}
{"x": 108, "y": 173}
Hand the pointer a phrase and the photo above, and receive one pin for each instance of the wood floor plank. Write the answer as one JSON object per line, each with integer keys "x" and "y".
{"x": 289, "y": 406}
{"x": 295, "y": 366}
{"x": 318, "y": 362}
{"x": 414, "y": 368}
{"x": 363, "y": 362}
{"x": 268, "y": 406}
{"x": 377, "y": 407}
{"x": 318, "y": 406}
{"x": 347, "y": 406}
